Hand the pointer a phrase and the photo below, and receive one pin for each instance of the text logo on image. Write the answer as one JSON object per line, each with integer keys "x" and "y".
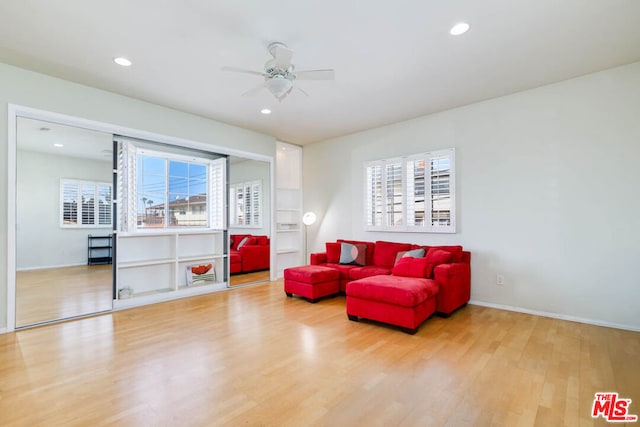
{"x": 612, "y": 408}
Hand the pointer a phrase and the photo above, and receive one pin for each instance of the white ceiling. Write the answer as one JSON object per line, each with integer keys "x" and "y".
{"x": 393, "y": 60}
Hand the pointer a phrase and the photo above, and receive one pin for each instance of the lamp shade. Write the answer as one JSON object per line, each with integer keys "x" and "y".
{"x": 279, "y": 86}
{"x": 309, "y": 218}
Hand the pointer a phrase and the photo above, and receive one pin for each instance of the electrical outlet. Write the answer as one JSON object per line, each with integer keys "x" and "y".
{"x": 500, "y": 280}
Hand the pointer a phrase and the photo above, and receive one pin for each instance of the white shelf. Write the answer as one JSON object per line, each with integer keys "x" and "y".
{"x": 287, "y": 251}
{"x": 133, "y": 264}
{"x": 201, "y": 258}
{"x": 153, "y": 263}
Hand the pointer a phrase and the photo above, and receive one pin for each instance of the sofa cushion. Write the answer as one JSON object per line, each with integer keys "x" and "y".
{"x": 404, "y": 291}
{"x": 333, "y": 252}
{"x": 456, "y": 251}
{"x": 237, "y": 238}
{"x": 370, "y": 249}
{"x": 343, "y": 269}
{"x": 367, "y": 271}
{"x": 384, "y": 254}
{"x": 436, "y": 257}
{"x": 246, "y": 241}
{"x": 262, "y": 240}
{"x": 354, "y": 254}
{"x": 413, "y": 253}
{"x": 411, "y": 267}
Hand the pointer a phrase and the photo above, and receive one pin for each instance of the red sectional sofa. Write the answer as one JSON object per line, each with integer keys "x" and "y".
{"x": 249, "y": 253}
{"x": 407, "y": 294}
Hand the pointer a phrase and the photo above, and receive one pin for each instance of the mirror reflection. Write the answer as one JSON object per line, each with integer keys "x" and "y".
{"x": 249, "y": 220}
{"x": 63, "y": 222}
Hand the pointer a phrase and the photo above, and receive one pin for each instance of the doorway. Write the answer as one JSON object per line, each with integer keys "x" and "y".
{"x": 63, "y": 222}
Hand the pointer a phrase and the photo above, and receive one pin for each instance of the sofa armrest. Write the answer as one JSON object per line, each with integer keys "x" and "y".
{"x": 454, "y": 281}
{"x": 318, "y": 258}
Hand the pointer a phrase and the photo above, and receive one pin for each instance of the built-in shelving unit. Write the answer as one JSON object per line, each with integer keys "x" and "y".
{"x": 289, "y": 227}
{"x": 154, "y": 266}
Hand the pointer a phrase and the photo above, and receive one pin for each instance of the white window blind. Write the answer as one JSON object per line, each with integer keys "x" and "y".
{"x": 85, "y": 203}
{"x": 246, "y": 204}
{"x": 413, "y": 193}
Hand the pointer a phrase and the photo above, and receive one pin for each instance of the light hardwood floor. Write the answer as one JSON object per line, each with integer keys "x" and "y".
{"x": 247, "y": 278}
{"x": 251, "y": 356}
{"x": 60, "y": 293}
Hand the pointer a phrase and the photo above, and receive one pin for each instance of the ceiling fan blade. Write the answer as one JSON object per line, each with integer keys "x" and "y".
{"x": 242, "y": 70}
{"x": 283, "y": 57}
{"x": 255, "y": 90}
{"x": 315, "y": 75}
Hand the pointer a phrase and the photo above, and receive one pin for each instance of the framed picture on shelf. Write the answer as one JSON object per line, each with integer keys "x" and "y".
{"x": 200, "y": 273}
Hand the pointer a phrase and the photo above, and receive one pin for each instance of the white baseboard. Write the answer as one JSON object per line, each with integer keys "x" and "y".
{"x": 3, "y": 330}
{"x": 556, "y": 316}
{"x": 46, "y": 267}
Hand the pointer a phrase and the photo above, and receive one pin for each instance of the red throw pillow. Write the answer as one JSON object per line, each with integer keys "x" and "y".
{"x": 435, "y": 257}
{"x": 410, "y": 267}
{"x": 333, "y": 252}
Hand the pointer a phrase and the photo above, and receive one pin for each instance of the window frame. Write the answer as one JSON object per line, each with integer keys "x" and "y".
{"x": 376, "y": 212}
{"x": 128, "y": 190}
{"x": 79, "y": 184}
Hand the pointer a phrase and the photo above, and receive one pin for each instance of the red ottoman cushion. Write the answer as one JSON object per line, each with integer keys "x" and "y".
{"x": 311, "y": 274}
{"x": 404, "y": 291}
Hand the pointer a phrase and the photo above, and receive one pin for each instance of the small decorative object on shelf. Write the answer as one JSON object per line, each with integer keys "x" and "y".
{"x": 125, "y": 292}
{"x": 200, "y": 273}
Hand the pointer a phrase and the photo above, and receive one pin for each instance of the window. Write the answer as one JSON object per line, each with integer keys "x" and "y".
{"x": 161, "y": 190}
{"x": 413, "y": 193}
{"x": 245, "y": 208}
{"x": 85, "y": 204}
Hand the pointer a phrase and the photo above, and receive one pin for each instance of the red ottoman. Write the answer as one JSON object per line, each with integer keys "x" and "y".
{"x": 311, "y": 281}
{"x": 400, "y": 301}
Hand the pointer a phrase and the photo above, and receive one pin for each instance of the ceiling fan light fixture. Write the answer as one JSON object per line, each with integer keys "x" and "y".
{"x": 459, "y": 28}
{"x": 279, "y": 86}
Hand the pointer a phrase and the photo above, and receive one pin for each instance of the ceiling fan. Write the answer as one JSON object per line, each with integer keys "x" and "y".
{"x": 279, "y": 73}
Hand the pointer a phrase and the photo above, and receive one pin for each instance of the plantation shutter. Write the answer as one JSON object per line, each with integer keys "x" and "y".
{"x": 416, "y": 179}
{"x": 441, "y": 191}
{"x": 126, "y": 191}
{"x": 374, "y": 195}
{"x": 69, "y": 206}
{"x": 256, "y": 203}
{"x": 394, "y": 194}
{"x": 104, "y": 205}
{"x": 217, "y": 191}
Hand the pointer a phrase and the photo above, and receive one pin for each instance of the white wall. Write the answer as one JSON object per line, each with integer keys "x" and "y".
{"x": 547, "y": 193}
{"x": 26, "y": 88}
{"x": 254, "y": 170}
{"x": 40, "y": 241}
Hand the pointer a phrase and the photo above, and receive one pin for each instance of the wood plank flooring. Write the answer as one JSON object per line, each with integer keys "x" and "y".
{"x": 251, "y": 356}
{"x": 247, "y": 278}
{"x": 60, "y": 293}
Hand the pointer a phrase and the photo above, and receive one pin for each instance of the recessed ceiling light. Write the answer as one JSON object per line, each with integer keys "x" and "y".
{"x": 459, "y": 28}
{"x": 121, "y": 60}
{"x": 58, "y": 145}
{"x": 265, "y": 111}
